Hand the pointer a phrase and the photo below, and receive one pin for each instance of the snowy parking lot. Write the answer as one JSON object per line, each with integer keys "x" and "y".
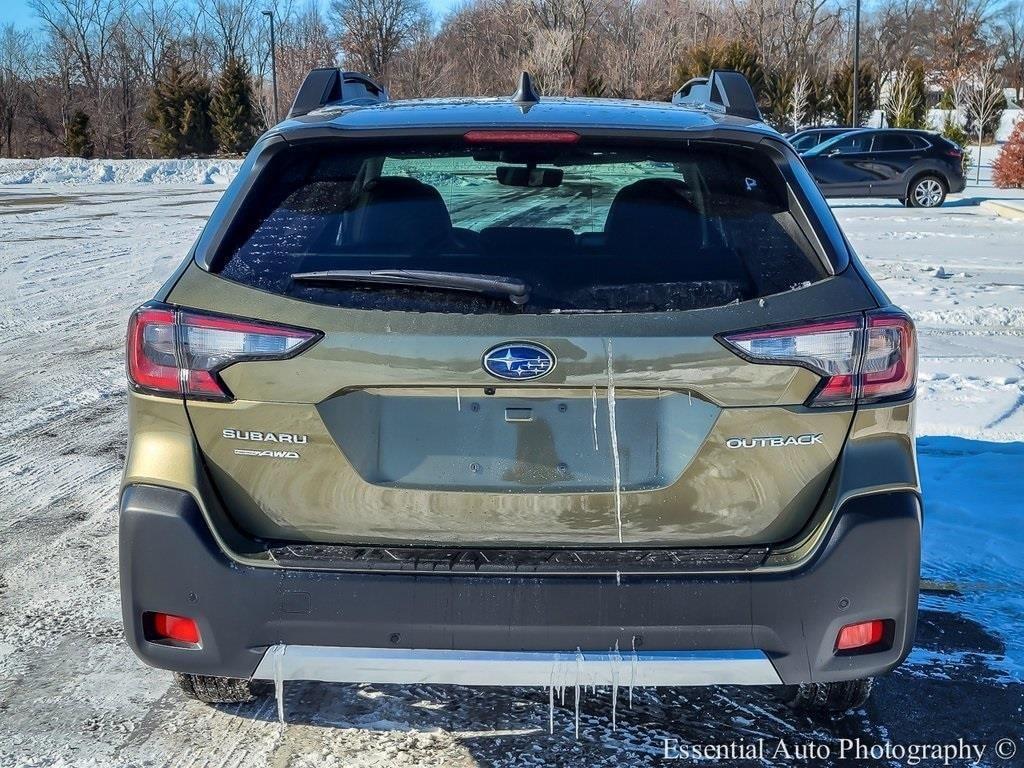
{"x": 77, "y": 257}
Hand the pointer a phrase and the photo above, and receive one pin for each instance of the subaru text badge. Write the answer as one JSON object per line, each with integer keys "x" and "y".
{"x": 518, "y": 360}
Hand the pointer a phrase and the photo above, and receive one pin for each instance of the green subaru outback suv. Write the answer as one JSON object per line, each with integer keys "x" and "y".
{"x": 522, "y": 391}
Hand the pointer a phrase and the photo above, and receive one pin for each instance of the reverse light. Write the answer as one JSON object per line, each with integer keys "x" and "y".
{"x": 865, "y": 634}
{"x": 167, "y": 626}
{"x": 521, "y": 137}
{"x": 861, "y": 358}
{"x": 180, "y": 352}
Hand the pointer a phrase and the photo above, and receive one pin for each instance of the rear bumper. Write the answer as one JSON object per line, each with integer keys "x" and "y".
{"x": 957, "y": 184}
{"x": 700, "y": 628}
{"x": 540, "y": 668}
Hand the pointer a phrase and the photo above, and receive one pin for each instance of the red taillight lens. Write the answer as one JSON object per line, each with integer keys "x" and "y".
{"x": 862, "y": 635}
{"x": 179, "y": 352}
{"x": 521, "y": 137}
{"x": 166, "y": 626}
{"x": 152, "y": 350}
{"x": 862, "y": 357}
{"x": 889, "y": 366}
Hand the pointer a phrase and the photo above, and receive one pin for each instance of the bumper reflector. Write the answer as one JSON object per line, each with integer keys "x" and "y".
{"x": 863, "y": 635}
{"x": 166, "y": 626}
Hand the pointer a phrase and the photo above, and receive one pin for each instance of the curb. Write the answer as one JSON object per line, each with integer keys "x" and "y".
{"x": 1003, "y": 209}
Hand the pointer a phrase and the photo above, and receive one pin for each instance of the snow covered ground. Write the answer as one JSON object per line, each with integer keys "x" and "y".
{"x": 75, "y": 171}
{"x": 84, "y": 243}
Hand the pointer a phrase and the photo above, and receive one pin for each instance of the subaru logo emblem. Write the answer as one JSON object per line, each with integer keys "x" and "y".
{"x": 518, "y": 360}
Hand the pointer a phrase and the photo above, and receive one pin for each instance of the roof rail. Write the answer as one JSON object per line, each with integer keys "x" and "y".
{"x": 333, "y": 86}
{"x": 724, "y": 90}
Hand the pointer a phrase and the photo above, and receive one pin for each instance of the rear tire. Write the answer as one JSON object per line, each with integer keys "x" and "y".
{"x": 927, "y": 192}
{"x": 217, "y": 690}
{"x": 828, "y": 698}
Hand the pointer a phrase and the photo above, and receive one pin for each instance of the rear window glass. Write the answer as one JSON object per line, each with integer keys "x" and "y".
{"x": 856, "y": 142}
{"x": 892, "y": 142}
{"x": 585, "y": 227}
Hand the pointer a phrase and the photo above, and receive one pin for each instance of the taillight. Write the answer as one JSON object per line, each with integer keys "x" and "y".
{"x": 868, "y": 357}
{"x": 180, "y": 352}
{"x": 521, "y": 137}
{"x": 889, "y": 366}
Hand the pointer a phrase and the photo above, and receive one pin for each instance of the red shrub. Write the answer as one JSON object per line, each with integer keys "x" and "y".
{"x": 1008, "y": 167}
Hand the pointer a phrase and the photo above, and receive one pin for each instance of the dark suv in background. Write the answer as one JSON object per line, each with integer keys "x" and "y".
{"x": 919, "y": 168}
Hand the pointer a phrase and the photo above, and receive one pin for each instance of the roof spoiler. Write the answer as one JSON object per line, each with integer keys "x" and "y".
{"x": 724, "y": 90}
{"x": 333, "y": 86}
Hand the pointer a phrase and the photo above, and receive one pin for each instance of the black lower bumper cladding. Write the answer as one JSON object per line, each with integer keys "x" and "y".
{"x": 868, "y": 568}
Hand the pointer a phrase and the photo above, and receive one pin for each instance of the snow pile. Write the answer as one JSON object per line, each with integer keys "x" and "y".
{"x": 73, "y": 170}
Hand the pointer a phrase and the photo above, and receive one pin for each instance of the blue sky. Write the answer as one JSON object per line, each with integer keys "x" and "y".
{"x": 19, "y": 12}
{"x": 16, "y": 11}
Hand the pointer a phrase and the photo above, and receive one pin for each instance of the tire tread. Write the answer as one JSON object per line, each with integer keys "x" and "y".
{"x": 830, "y": 697}
{"x": 216, "y": 690}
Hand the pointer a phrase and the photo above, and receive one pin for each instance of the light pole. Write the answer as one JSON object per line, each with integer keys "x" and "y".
{"x": 856, "y": 65}
{"x": 273, "y": 61}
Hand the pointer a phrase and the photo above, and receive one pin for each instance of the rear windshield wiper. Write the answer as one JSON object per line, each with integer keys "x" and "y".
{"x": 514, "y": 289}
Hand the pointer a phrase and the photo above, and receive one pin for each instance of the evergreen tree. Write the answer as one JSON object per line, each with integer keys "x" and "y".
{"x": 920, "y": 114}
{"x": 1008, "y": 167}
{"x": 235, "y": 121}
{"x": 905, "y": 102}
{"x": 776, "y": 98}
{"x": 594, "y": 86}
{"x": 737, "y": 55}
{"x": 955, "y": 132}
{"x": 179, "y": 111}
{"x": 841, "y": 94}
{"x": 78, "y": 137}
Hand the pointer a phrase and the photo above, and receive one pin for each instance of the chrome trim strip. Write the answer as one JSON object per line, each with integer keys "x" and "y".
{"x": 511, "y": 668}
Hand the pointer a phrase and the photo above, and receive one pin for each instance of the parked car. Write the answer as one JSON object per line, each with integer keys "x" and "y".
{"x": 808, "y": 138}
{"x": 917, "y": 167}
{"x": 522, "y": 391}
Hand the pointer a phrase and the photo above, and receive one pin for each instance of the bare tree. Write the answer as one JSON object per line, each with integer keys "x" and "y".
{"x": 304, "y": 42}
{"x": 903, "y": 99}
{"x": 103, "y": 56}
{"x": 234, "y": 24}
{"x": 564, "y": 29}
{"x": 641, "y": 46}
{"x": 15, "y": 63}
{"x": 897, "y": 30}
{"x": 155, "y": 25}
{"x": 788, "y": 33}
{"x": 1009, "y": 30}
{"x": 127, "y": 72}
{"x": 86, "y": 28}
{"x": 374, "y": 31}
{"x": 957, "y": 28}
{"x": 800, "y": 100}
{"x": 983, "y": 98}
